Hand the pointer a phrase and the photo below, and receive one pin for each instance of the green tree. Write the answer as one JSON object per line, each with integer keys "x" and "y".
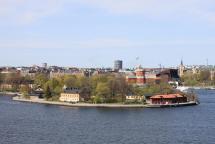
{"x": 54, "y": 87}
{"x": 94, "y": 80}
{"x": 25, "y": 90}
{"x": 70, "y": 81}
{"x": 41, "y": 79}
{"x": 103, "y": 91}
{"x": 47, "y": 92}
{"x": 204, "y": 75}
{"x": 97, "y": 99}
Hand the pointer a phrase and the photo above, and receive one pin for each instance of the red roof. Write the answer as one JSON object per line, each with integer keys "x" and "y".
{"x": 169, "y": 96}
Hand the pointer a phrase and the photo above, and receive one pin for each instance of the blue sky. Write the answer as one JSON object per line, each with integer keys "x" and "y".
{"x": 93, "y": 33}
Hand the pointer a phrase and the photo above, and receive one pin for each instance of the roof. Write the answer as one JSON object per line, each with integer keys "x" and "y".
{"x": 72, "y": 90}
{"x": 169, "y": 96}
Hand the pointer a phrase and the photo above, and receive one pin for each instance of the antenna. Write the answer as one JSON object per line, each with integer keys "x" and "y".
{"x": 160, "y": 66}
{"x": 137, "y": 60}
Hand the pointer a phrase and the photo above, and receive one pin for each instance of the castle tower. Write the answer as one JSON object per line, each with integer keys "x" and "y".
{"x": 140, "y": 76}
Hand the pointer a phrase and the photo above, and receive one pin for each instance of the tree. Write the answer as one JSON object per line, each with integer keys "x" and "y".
{"x": 122, "y": 87}
{"x": 94, "y": 80}
{"x": 41, "y": 79}
{"x": 70, "y": 81}
{"x": 190, "y": 79}
{"x": 47, "y": 91}
{"x": 53, "y": 88}
{"x": 204, "y": 75}
{"x": 57, "y": 90}
{"x": 25, "y": 90}
{"x": 97, "y": 99}
{"x": 103, "y": 91}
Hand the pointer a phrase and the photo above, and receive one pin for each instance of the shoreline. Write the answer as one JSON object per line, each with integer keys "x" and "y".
{"x": 87, "y": 105}
{"x": 42, "y": 101}
{"x": 10, "y": 93}
{"x": 199, "y": 87}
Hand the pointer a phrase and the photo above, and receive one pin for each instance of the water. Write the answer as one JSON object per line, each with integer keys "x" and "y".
{"x": 25, "y": 123}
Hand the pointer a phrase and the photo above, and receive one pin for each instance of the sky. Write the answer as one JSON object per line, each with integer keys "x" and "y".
{"x": 94, "y": 33}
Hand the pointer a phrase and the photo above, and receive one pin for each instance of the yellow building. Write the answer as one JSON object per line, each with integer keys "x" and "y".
{"x": 70, "y": 95}
{"x": 134, "y": 97}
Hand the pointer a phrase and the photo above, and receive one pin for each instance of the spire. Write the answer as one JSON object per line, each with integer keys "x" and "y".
{"x": 182, "y": 62}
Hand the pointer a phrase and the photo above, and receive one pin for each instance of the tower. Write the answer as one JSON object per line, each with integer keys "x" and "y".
{"x": 44, "y": 65}
{"x": 140, "y": 76}
{"x": 181, "y": 69}
{"x": 118, "y": 65}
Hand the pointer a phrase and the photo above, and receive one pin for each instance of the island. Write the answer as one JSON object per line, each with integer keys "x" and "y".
{"x": 132, "y": 88}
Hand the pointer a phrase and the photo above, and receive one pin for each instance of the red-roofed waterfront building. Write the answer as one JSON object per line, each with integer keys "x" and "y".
{"x": 168, "y": 99}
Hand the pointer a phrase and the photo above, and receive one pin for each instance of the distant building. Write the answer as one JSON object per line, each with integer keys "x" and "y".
{"x": 9, "y": 70}
{"x": 155, "y": 76}
{"x": 118, "y": 65}
{"x": 27, "y": 72}
{"x": 45, "y": 65}
{"x": 6, "y": 86}
{"x": 181, "y": 69}
{"x": 134, "y": 97}
{"x": 137, "y": 77}
{"x": 38, "y": 92}
{"x": 70, "y": 95}
{"x": 62, "y": 72}
{"x": 194, "y": 70}
{"x": 212, "y": 74}
{"x": 140, "y": 76}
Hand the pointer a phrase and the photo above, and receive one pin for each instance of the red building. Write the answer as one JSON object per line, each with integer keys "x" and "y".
{"x": 140, "y": 76}
{"x": 137, "y": 77}
{"x": 154, "y": 76}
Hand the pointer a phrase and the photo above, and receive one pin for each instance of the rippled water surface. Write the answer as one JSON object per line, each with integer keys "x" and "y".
{"x": 25, "y": 123}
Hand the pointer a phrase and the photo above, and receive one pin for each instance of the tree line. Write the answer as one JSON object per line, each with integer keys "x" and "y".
{"x": 103, "y": 88}
{"x": 203, "y": 78}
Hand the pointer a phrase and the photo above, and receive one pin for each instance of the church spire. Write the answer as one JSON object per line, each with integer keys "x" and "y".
{"x": 181, "y": 69}
{"x": 182, "y": 62}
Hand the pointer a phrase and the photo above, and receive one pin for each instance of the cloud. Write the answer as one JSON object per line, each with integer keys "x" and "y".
{"x": 28, "y": 11}
{"x": 158, "y": 9}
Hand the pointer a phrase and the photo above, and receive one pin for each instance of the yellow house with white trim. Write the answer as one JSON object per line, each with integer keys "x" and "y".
{"x": 70, "y": 95}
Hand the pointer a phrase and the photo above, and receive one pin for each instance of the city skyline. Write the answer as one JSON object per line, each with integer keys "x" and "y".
{"x": 94, "y": 33}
